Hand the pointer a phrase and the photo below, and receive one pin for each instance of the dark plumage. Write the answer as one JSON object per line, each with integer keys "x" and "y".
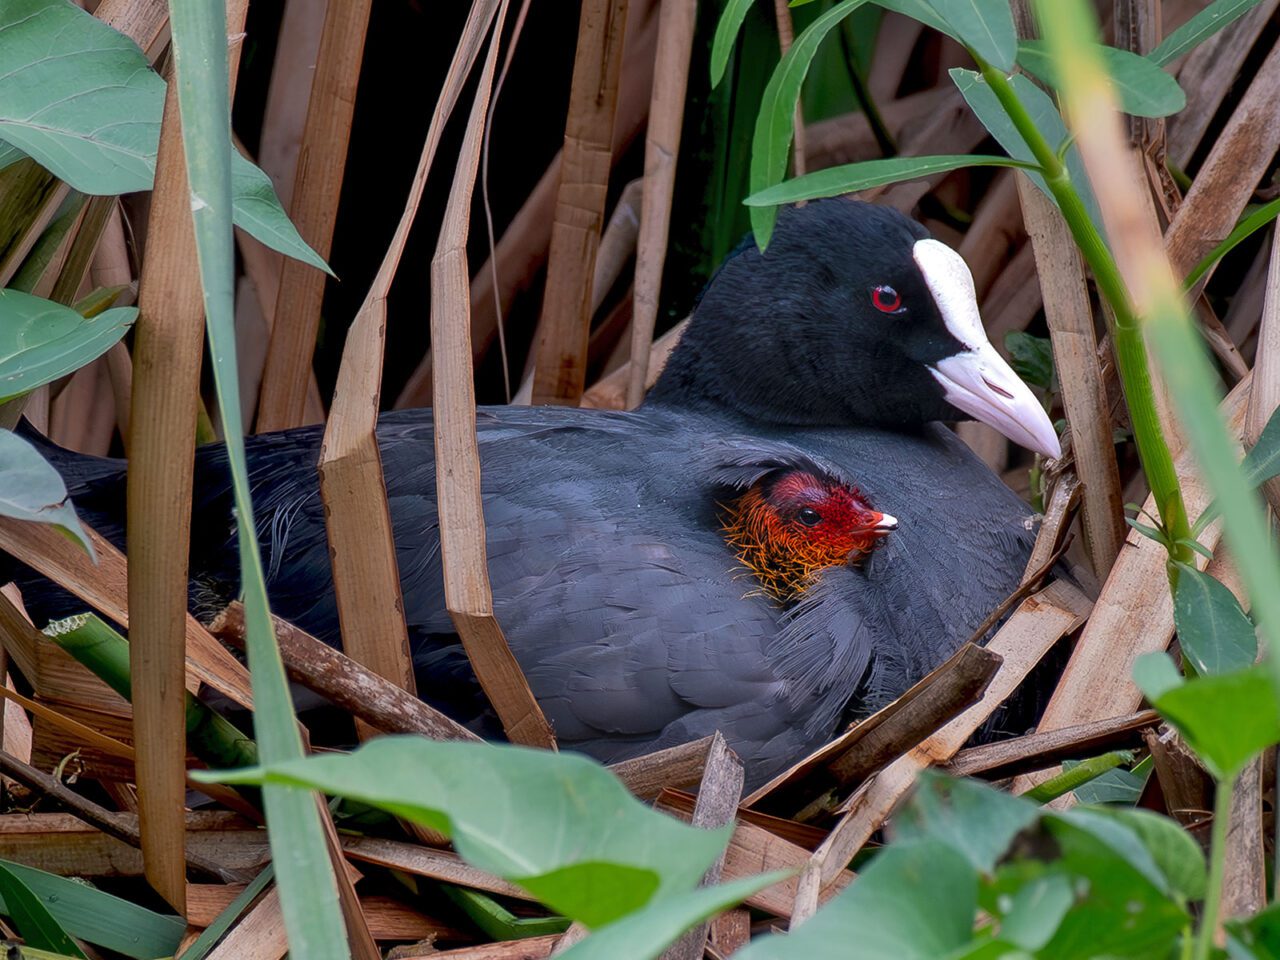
{"x": 610, "y": 572}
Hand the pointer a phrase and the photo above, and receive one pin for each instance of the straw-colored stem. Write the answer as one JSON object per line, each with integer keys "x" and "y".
{"x": 1130, "y": 351}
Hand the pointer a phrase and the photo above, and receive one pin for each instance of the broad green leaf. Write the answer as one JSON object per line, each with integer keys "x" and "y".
{"x": 30, "y": 489}
{"x": 78, "y": 96}
{"x": 984, "y": 26}
{"x": 559, "y": 825}
{"x": 1263, "y": 461}
{"x": 1123, "y": 907}
{"x": 645, "y": 934}
{"x": 834, "y": 181}
{"x": 99, "y": 917}
{"x": 771, "y": 144}
{"x": 735, "y": 11}
{"x": 82, "y": 100}
{"x": 1155, "y": 675}
{"x": 257, "y": 211}
{"x": 304, "y": 871}
{"x": 1031, "y": 358}
{"x": 1141, "y": 87}
{"x": 32, "y": 919}
{"x": 1246, "y": 228}
{"x": 1201, "y": 27}
{"x": 1174, "y": 851}
{"x": 1214, "y": 631}
{"x": 1226, "y": 719}
{"x": 977, "y": 821}
{"x": 1036, "y": 911}
{"x": 41, "y": 341}
{"x": 915, "y": 901}
{"x": 1118, "y": 786}
{"x": 924, "y": 12}
{"x": 1256, "y": 937}
{"x": 978, "y": 94}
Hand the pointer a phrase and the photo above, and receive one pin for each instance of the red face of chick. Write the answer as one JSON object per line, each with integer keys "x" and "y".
{"x": 793, "y": 524}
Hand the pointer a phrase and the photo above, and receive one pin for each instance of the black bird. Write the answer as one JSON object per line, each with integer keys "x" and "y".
{"x": 612, "y": 572}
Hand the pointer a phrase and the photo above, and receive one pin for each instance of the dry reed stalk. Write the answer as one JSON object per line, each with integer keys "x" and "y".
{"x": 389, "y": 919}
{"x": 359, "y": 938}
{"x": 1244, "y": 882}
{"x": 1133, "y": 614}
{"x": 258, "y": 935}
{"x": 717, "y": 805}
{"x": 168, "y": 348}
{"x": 661, "y": 148}
{"x": 1183, "y": 781}
{"x": 533, "y": 948}
{"x": 110, "y": 268}
{"x": 1026, "y": 637}
{"x": 468, "y": 595}
{"x": 898, "y": 33}
{"x": 63, "y": 844}
{"x": 421, "y": 861}
{"x": 1075, "y": 352}
{"x": 101, "y": 585}
{"x": 1036, "y": 751}
{"x": 50, "y": 201}
{"x": 366, "y": 695}
{"x": 565, "y": 322}
{"x": 1208, "y": 74}
{"x": 951, "y": 128}
{"x": 1227, "y": 178}
{"x": 358, "y": 520}
{"x": 753, "y": 849}
{"x": 522, "y": 250}
{"x": 322, "y": 160}
{"x": 850, "y": 137}
{"x": 145, "y": 22}
{"x": 1265, "y": 397}
{"x": 610, "y": 392}
{"x": 948, "y": 690}
{"x": 671, "y": 769}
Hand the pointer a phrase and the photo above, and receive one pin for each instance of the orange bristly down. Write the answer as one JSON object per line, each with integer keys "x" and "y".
{"x": 786, "y": 554}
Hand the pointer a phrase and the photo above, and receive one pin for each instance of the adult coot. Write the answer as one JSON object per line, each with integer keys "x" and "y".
{"x": 827, "y": 355}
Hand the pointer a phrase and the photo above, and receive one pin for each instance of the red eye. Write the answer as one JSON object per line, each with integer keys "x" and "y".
{"x": 886, "y": 299}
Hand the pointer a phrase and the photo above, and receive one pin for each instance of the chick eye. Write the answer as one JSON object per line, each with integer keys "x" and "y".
{"x": 810, "y": 517}
{"x": 886, "y": 299}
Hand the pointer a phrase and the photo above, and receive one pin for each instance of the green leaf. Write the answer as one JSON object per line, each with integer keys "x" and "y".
{"x": 771, "y": 144}
{"x": 99, "y": 917}
{"x": 1256, "y": 937}
{"x": 30, "y": 489}
{"x": 915, "y": 901}
{"x": 834, "y": 181}
{"x": 1174, "y": 851}
{"x": 1048, "y": 121}
{"x": 735, "y": 11}
{"x": 1213, "y": 629}
{"x": 78, "y": 97}
{"x": 1226, "y": 719}
{"x": 1200, "y": 28}
{"x": 1077, "y": 775}
{"x": 1155, "y": 675}
{"x": 35, "y": 924}
{"x": 559, "y": 825}
{"x": 643, "y": 935}
{"x": 1141, "y": 87}
{"x": 41, "y": 341}
{"x": 973, "y": 819}
{"x": 1123, "y": 906}
{"x": 1263, "y": 461}
{"x": 984, "y": 26}
{"x": 304, "y": 871}
{"x": 258, "y": 213}
{"x": 1031, "y": 358}
{"x": 81, "y": 99}
{"x": 1246, "y": 228}
{"x": 924, "y": 12}
{"x": 1115, "y": 786}
{"x": 1036, "y": 911}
